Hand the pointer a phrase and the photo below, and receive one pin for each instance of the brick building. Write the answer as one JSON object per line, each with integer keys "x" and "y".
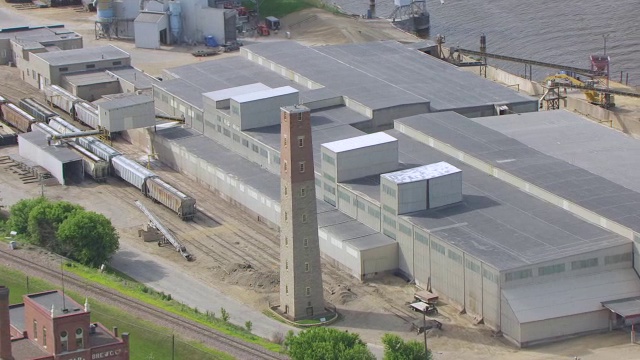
{"x": 52, "y": 326}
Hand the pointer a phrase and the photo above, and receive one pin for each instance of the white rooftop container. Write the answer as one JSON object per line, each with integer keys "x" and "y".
{"x": 226, "y": 94}
{"x": 359, "y": 156}
{"x": 425, "y": 172}
{"x": 264, "y": 94}
{"x": 359, "y": 142}
{"x": 420, "y": 188}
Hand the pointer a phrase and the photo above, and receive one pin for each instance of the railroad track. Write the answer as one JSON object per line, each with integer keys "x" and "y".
{"x": 220, "y": 341}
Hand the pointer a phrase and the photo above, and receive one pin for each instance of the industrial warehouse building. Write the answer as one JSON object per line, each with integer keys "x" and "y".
{"x": 407, "y": 198}
{"x": 416, "y": 174}
{"x": 63, "y": 164}
{"x": 47, "y": 68}
{"x": 16, "y": 43}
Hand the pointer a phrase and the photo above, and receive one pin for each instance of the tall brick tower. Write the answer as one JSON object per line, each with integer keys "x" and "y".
{"x": 5, "y": 330}
{"x": 300, "y": 273}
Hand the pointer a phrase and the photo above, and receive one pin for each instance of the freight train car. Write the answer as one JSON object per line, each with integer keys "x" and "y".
{"x": 87, "y": 114}
{"x": 132, "y": 172}
{"x": 97, "y": 168}
{"x": 39, "y": 111}
{"x": 62, "y": 126}
{"x": 17, "y": 117}
{"x": 61, "y": 98}
{"x": 167, "y": 195}
{"x": 97, "y": 147}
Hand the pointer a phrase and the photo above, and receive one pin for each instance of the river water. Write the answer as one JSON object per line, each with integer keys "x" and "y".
{"x": 556, "y": 31}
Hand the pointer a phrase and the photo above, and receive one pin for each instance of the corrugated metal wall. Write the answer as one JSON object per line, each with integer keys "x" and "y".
{"x": 347, "y": 202}
{"x": 509, "y": 324}
{"x": 473, "y": 286}
{"x": 421, "y": 257}
{"x": 491, "y": 296}
{"x": 534, "y": 332}
{"x": 405, "y": 247}
{"x": 209, "y": 175}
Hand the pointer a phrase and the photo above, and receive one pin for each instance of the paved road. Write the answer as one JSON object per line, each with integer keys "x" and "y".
{"x": 146, "y": 269}
{"x": 153, "y": 272}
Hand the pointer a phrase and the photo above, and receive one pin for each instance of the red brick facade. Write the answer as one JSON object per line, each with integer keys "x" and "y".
{"x": 55, "y": 327}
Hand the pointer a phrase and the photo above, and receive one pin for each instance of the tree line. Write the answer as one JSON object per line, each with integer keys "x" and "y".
{"x": 64, "y": 228}
{"x": 321, "y": 343}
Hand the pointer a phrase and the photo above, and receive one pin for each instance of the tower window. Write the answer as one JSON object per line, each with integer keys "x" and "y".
{"x": 285, "y": 190}
{"x": 286, "y": 289}
{"x": 285, "y": 165}
{"x": 301, "y": 166}
{"x": 303, "y": 192}
{"x": 286, "y": 265}
{"x": 44, "y": 336}
{"x": 305, "y": 242}
{"x": 308, "y": 291}
{"x": 35, "y": 330}
{"x": 300, "y": 141}
{"x": 285, "y": 140}
{"x": 307, "y": 268}
{"x": 79, "y": 339}
{"x": 286, "y": 216}
{"x": 304, "y": 218}
{"x": 286, "y": 241}
{"x": 299, "y": 116}
{"x": 64, "y": 340}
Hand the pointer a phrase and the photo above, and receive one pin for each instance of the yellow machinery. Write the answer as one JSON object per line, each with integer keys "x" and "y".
{"x": 562, "y": 79}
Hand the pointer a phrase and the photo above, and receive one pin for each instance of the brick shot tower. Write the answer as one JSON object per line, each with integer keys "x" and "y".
{"x": 300, "y": 273}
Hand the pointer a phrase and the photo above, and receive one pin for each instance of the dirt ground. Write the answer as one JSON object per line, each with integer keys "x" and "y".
{"x": 236, "y": 252}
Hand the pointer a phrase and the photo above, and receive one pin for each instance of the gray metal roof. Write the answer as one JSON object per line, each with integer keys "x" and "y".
{"x": 189, "y": 82}
{"x": 124, "y": 101}
{"x": 39, "y": 34}
{"x": 84, "y": 55}
{"x": 326, "y": 125}
{"x": 597, "y": 183}
{"x": 628, "y": 307}
{"x": 16, "y": 314}
{"x": 149, "y": 17}
{"x": 61, "y": 153}
{"x": 571, "y": 295}
{"x": 500, "y": 224}
{"x": 139, "y": 79}
{"x": 345, "y": 229}
{"x": 54, "y": 299}
{"x": 89, "y": 78}
{"x": 570, "y": 137}
{"x": 387, "y": 73}
{"x": 242, "y": 169}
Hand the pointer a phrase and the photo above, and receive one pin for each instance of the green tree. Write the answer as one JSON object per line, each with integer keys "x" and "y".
{"x": 44, "y": 220}
{"x": 89, "y": 237}
{"x": 321, "y": 343}
{"x": 19, "y": 214}
{"x": 397, "y": 349}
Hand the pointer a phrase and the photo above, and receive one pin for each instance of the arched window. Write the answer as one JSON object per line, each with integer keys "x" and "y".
{"x": 79, "y": 338}
{"x": 44, "y": 336}
{"x": 64, "y": 340}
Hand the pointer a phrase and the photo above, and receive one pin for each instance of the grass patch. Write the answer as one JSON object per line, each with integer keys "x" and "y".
{"x": 308, "y": 322}
{"x": 164, "y": 301}
{"x": 148, "y": 341}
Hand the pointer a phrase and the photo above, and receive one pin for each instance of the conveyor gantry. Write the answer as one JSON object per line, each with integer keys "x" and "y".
{"x": 168, "y": 236}
{"x": 587, "y": 72}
